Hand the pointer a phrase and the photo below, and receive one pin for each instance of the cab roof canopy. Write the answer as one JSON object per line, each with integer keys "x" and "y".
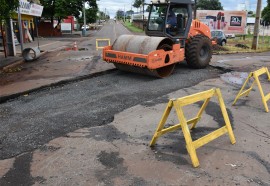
{"x": 172, "y": 1}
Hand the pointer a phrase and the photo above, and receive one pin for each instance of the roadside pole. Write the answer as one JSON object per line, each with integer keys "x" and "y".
{"x": 84, "y": 20}
{"x": 124, "y": 14}
{"x": 3, "y": 39}
{"x": 11, "y": 41}
{"x": 256, "y": 27}
{"x": 195, "y": 9}
{"x": 20, "y": 28}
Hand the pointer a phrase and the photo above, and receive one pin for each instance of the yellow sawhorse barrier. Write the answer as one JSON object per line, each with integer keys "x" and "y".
{"x": 255, "y": 75}
{"x": 177, "y": 104}
{"x": 101, "y": 43}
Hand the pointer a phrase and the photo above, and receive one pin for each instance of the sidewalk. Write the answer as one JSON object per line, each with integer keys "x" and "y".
{"x": 55, "y": 67}
{"x": 46, "y": 44}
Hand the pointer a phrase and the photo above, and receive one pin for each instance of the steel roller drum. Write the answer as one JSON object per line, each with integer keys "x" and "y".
{"x": 143, "y": 45}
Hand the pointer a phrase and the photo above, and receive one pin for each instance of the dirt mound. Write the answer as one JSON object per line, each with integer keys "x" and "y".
{"x": 241, "y": 46}
{"x": 219, "y": 48}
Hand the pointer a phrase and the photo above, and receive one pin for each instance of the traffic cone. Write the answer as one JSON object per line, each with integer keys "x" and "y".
{"x": 75, "y": 47}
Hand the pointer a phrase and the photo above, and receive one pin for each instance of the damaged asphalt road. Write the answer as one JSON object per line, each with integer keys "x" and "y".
{"x": 31, "y": 121}
{"x": 97, "y": 131}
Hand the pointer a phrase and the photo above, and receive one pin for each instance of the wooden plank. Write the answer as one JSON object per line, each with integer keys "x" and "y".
{"x": 209, "y": 137}
{"x": 187, "y": 100}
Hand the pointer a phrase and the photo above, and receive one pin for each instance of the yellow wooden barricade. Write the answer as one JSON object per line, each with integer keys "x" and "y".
{"x": 177, "y": 104}
{"x": 99, "y": 41}
{"x": 255, "y": 75}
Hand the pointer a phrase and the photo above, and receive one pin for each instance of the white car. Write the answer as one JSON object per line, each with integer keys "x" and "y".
{"x": 86, "y": 27}
{"x": 230, "y": 35}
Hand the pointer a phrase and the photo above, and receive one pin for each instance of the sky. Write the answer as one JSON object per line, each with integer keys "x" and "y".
{"x": 111, "y": 6}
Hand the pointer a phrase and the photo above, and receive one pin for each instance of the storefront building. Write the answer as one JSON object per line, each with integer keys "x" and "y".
{"x": 29, "y": 13}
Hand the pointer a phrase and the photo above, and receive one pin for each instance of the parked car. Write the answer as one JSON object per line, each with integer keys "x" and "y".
{"x": 86, "y": 27}
{"x": 219, "y": 36}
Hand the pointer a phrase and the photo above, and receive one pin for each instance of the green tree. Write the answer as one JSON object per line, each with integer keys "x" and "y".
{"x": 90, "y": 15}
{"x": 130, "y": 12}
{"x": 7, "y": 7}
{"x": 266, "y": 12}
{"x": 59, "y": 9}
{"x": 209, "y": 5}
{"x": 137, "y": 3}
{"x": 120, "y": 14}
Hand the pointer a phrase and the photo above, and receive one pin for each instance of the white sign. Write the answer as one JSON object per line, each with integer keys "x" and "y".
{"x": 66, "y": 26}
{"x": 30, "y": 9}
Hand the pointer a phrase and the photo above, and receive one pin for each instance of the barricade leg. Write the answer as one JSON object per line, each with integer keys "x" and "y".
{"x": 200, "y": 113}
{"x": 189, "y": 143}
{"x": 262, "y": 93}
{"x": 162, "y": 123}
{"x": 225, "y": 116}
{"x": 246, "y": 92}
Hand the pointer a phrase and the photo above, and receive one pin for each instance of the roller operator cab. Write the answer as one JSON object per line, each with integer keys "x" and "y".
{"x": 172, "y": 37}
{"x": 170, "y": 19}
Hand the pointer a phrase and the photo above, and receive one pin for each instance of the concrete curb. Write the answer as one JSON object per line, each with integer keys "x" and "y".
{"x": 5, "y": 99}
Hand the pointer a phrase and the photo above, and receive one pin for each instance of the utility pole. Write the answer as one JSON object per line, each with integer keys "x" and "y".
{"x": 195, "y": 9}
{"x": 20, "y": 27}
{"x": 256, "y": 26}
{"x": 124, "y": 14}
{"x": 84, "y": 20}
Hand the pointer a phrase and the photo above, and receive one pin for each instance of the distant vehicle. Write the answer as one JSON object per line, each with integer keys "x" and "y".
{"x": 219, "y": 36}
{"x": 86, "y": 27}
{"x": 230, "y": 35}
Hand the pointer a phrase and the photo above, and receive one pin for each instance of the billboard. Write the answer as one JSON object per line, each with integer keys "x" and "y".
{"x": 30, "y": 8}
{"x": 231, "y": 22}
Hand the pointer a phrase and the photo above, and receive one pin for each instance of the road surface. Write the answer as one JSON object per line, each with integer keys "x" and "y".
{"x": 95, "y": 132}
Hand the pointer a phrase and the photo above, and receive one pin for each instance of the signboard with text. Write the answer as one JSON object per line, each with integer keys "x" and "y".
{"x": 30, "y": 8}
{"x": 231, "y": 22}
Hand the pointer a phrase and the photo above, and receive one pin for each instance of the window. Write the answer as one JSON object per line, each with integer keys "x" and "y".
{"x": 157, "y": 17}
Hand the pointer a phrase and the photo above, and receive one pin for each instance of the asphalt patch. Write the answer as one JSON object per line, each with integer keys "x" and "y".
{"x": 213, "y": 109}
{"x": 159, "y": 100}
{"x": 108, "y": 133}
{"x": 115, "y": 169}
{"x": 53, "y": 112}
{"x": 20, "y": 173}
{"x": 263, "y": 162}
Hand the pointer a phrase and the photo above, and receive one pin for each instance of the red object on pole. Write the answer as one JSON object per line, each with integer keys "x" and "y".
{"x": 75, "y": 47}
{"x": 4, "y": 40}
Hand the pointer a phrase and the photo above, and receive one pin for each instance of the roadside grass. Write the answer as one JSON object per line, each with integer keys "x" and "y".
{"x": 132, "y": 28}
{"x": 263, "y": 44}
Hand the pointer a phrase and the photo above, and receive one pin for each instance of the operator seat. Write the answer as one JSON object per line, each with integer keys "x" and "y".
{"x": 180, "y": 22}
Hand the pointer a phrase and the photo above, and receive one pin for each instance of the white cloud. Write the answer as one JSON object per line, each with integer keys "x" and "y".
{"x": 112, "y": 6}
{"x": 232, "y": 4}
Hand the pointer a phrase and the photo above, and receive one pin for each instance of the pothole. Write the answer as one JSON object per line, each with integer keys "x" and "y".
{"x": 235, "y": 78}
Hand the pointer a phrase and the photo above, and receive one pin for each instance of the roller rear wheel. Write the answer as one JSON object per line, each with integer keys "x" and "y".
{"x": 198, "y": 51}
